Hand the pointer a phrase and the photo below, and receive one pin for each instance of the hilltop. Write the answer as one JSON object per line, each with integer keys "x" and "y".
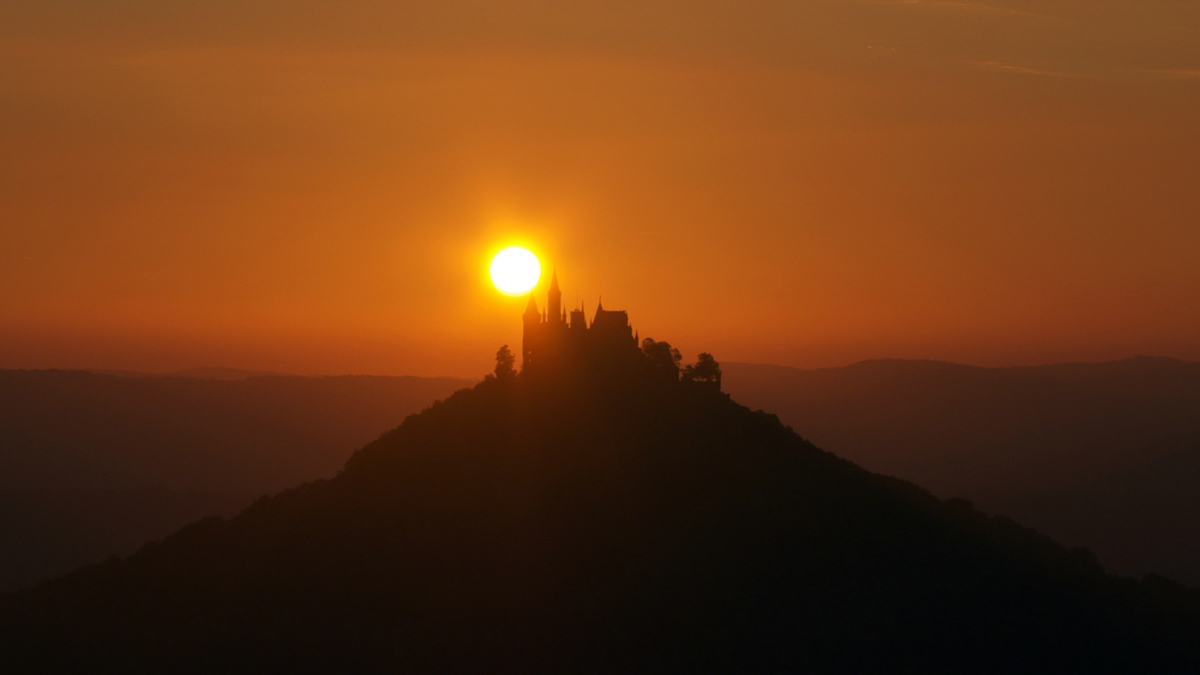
{"x": 630, "y": 525}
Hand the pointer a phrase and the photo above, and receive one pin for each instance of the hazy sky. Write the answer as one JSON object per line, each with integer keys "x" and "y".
{"x": 317, "y": 187}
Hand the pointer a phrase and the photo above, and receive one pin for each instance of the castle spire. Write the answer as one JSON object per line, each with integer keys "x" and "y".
{"x": 554, "y": 299}
{"x": 531, "y": 318}
{"x": 531, "y": 310}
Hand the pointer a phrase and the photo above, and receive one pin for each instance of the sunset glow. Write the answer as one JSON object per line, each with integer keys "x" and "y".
{"x": 998, "y": 183}
{"x": 515, "y": 271}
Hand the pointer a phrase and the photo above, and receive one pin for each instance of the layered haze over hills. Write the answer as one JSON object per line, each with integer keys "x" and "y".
{"x": 93, "y": 465}
{"x": 1103, "y": 455}
{"x": 1098, "y": 455}
{"x": 615, "y": 522}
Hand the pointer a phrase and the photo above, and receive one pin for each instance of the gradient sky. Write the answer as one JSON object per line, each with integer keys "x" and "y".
{"x": 317, "y": 187}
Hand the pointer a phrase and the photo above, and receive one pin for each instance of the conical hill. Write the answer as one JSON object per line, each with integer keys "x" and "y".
{"x": 634, "y": 527}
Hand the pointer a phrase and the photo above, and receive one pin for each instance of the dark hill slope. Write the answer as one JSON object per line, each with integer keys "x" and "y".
{"x": 95, "y": 465}
{"x": 1103, "y": 455}
{"x": 627, "y": 529}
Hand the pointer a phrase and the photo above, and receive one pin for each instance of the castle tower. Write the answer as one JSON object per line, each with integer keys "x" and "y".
{"x": 578, "y": 320}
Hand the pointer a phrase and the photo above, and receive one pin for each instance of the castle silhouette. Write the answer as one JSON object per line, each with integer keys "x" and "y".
{"x": 552, "y": 342}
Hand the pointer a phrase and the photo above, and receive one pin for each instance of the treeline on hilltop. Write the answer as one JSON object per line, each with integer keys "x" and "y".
{"x": 656, "y": 361}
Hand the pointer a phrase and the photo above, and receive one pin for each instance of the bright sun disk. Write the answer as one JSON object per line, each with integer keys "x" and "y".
{"x": 515, "y": 271}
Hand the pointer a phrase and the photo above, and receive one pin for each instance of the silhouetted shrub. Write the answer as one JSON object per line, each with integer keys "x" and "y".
{"x": 505, "y": 363}
{"x": 706, "y": 369}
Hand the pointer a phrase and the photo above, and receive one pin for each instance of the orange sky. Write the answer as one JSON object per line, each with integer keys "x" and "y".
{"x": 316, "y": 187}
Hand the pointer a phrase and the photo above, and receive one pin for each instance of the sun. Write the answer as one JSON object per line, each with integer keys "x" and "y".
{"x": 515, "y": 271}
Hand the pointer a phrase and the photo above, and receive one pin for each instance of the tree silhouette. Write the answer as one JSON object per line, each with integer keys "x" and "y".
{"x": 706, "y": 369}
{"x": 662, "y": 359}
{"x": 504, "y": 363}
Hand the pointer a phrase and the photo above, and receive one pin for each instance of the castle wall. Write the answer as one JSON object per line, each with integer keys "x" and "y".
{"x": 550, "y": 344}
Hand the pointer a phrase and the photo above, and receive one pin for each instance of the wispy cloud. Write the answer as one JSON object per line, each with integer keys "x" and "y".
{"x": 997, "y": 66}
{"x": 980, "y": 7}
{"x": 1174, "y": 74}
{"x": 1162, "y": 73}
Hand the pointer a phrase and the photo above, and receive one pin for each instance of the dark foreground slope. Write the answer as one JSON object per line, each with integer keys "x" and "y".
{"x": 602, "y": 529}
{"x": 1103, "y": 455}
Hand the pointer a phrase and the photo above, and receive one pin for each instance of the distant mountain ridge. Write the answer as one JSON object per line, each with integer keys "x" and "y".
{"x": 82, "y": 455}
{"x": 201, "y": 373}
{"x": 79, "y": 430}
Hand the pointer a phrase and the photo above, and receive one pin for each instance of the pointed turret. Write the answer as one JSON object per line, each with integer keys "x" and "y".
{"x": 554, "y": 299}
{"x": 532, "y": 315}
{"x": 532, "y": 318}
